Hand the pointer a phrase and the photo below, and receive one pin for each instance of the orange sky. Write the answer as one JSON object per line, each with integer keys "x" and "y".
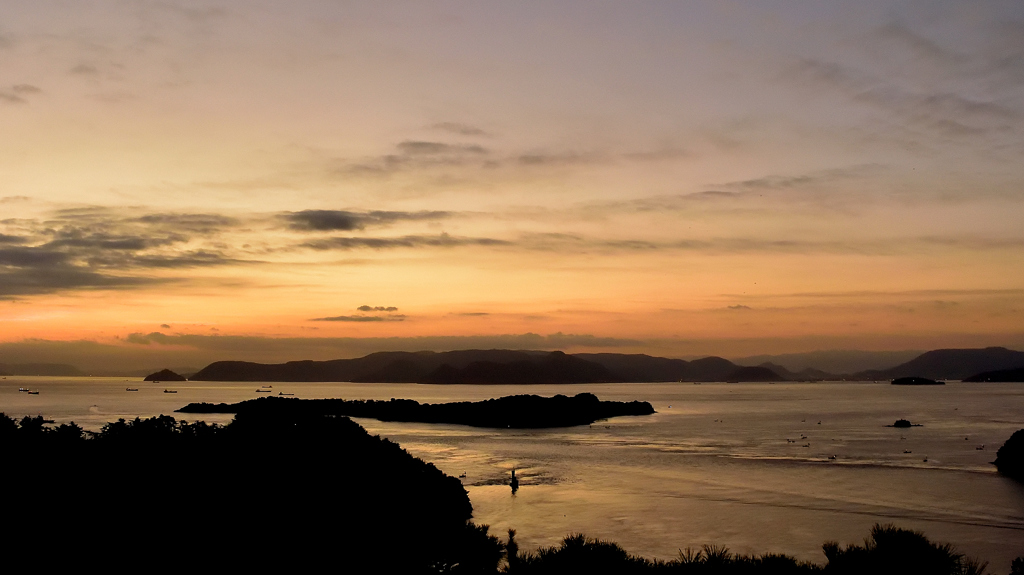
{"x": 705, "y": 178}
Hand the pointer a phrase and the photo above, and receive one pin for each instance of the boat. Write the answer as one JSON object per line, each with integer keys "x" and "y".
{"x": 170, "y": 391}
{"x": 264, "y": 391}
{"x": 514, "y": 483}
{"x": 268, "y": 386}
{"x": 131, "y": 389}
{"x": 32, "y": 392}
{"x": 22, "y": 389}
{"x": 283, "y": 393}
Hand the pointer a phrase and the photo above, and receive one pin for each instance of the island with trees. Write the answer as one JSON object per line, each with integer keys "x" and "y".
{"x": 516, "y": 411}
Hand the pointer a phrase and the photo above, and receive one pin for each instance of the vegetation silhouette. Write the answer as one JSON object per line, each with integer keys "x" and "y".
{"x": 299, "y": 492}
{"x": 888, "y": 551}
{"x": 515, "y": 411}
{"x": 1010, "y": 457}
{"x": 286, "y": 492}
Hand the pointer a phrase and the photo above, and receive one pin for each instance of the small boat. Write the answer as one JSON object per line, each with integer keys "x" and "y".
{"x": 131, "y": 389}
{"x": 283, "y": 393}
{"x": 264, "y": 391}
{"x": 514, "y": 483}
{"x": 170, "y": 391}
{"x": 268, "y": 386}
{"x": 462, "y": 475}
{"x": 22, "y": 389}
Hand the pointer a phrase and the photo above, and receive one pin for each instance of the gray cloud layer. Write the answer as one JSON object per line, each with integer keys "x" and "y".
{"x": 341, "y": 220}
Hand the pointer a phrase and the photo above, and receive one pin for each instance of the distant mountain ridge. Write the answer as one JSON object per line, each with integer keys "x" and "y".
{"x": 951, "y": 364}
{"x": 487, "y": 366}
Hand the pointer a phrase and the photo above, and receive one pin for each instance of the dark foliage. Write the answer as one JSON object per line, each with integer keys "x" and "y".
{"x": 516, "y": 411}
{"x": 1010, "y": 457}
{"x": 894, "y": 551}
{"x": 293, "y": 494}
{"x": 889, "y": 551}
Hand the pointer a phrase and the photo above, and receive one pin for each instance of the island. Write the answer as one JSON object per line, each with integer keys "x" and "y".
{"x": 916, "y": 381}
{"x": 514, "y": 411}
{"x": 165, "y": 375}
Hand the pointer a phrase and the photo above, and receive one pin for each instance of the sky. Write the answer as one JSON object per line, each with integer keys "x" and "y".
{"x": 322, "y": 179}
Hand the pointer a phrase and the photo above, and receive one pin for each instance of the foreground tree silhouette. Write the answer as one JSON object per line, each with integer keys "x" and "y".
{"x": 284, "y": 493}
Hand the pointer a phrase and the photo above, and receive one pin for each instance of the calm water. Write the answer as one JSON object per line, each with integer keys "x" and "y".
{"x": 755, "y": 467}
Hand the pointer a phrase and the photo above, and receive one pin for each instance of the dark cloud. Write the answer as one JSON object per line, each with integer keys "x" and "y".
{"x": 94, "y": 247}
{"x": 739, "y": 306}
{"x": 341, "y": 220}
{"x": 377, "y": 308}
{"x": 24, "y": 281}
{"x": 361, "y": 318}
{"x": 418, "y": 155}
{"x": 473, "y": 313}
{"x": 6, "y": 239}
{"x": 195, "y": 223}
{"x": 25, "y": 89}
{"x": 165, "y": 326}
{"x": 13, "y": 199}
{"x": 459, "y": 128}
{"x": 412, "y": 147}
{"x": 413, "y": 241}
{"x": 84, "y": 70}
{"x": 12, "y": 98}
{"x": 559, "y": 159}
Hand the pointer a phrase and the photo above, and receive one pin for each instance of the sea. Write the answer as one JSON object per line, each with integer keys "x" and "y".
{"x": 754, "y": 467}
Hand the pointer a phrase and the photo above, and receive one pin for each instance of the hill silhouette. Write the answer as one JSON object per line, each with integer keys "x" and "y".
{"x": 1002, "y": 375}
{"x": 165, "y": 375}
{"x": 478, "y": 366}
{"x": 951, "y": 364}
{"x": 523, "y": 367}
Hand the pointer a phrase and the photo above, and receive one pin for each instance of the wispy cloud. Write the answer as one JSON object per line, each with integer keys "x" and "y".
{"x": 459, "y": 128}
{"x": 411, "y": 241}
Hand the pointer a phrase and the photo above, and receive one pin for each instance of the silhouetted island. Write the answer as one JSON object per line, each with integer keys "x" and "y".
{"x": 515, "y": 411}
{"x": 1000, "y": 375}
{"x": 904, "y": 423}
{"x": 165, "y": 375}
{"x": 1010, "y": 457}
{"x": 916, "y": 381}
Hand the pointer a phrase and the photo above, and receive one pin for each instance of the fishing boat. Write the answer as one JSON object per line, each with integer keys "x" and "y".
{"x": 131, "y": 389}
{"x": 170, "y": 391}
